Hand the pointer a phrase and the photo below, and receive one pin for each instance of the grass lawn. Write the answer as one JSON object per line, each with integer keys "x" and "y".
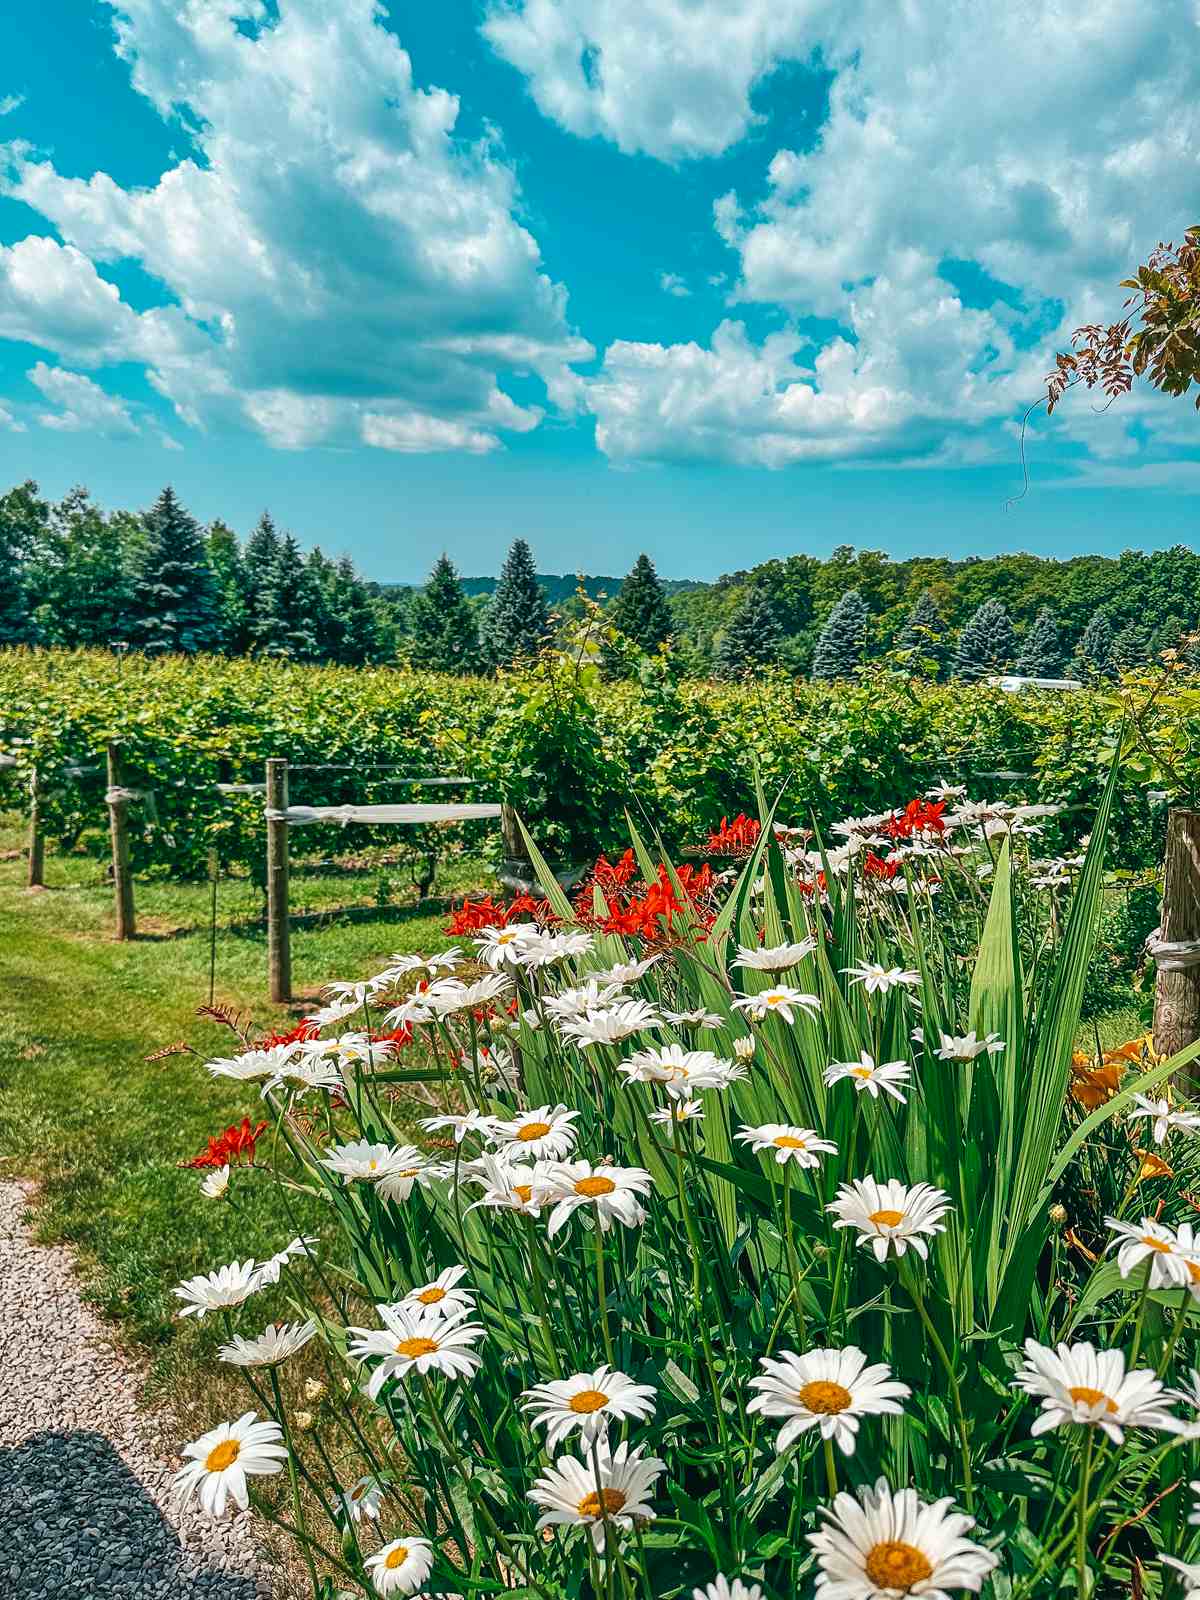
{"x": 102, "y": 1129}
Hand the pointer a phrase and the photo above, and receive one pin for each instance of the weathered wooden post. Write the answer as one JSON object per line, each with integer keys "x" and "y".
{"x": 279, "y": 940}
{"x": 37, "y": 843}
{"x": 118, "y": 804}
{"x": 1177, "y": 950}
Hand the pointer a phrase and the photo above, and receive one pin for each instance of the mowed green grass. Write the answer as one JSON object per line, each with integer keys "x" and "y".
{"x": 101, "y": 1128}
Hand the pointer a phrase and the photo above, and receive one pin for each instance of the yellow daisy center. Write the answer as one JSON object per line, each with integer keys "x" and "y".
{"x": 396, "y": 1557}
{"x": 1163, "y": 1245}
{"x": 1193, "y": 1271}
{"x": 431, "y": 1296}
{"x": 587, "y": 1401}
{"x": 223, "y": 1455}
{"x": 601, "y": 1501}
{"x": 533, "y": 1130}
{"x": 591, "y": 1188}
{"x": 823, "y": 1398}
{"x": 372, "y": 1164}
{"x": 886, "y": 1219}
{"x": 896, "y": 1565}
{"x": 774, "y": 999}
{"x": 788, "y": 1141}
{"x": 507, "y": 937}
{"x": 523, "y": 1192}
{"x": 412, "y": 1348}
{"x": 860, "y": 1072}
{"x": 1083, "y": 1396}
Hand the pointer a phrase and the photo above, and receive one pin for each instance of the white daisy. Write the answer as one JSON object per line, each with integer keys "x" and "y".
{"x": 499, "y": 947}
{"x": 774, "y": 957}
{"x": 1154, "y": 1242}
{"x": 442, "y": 1293}
{"x": 612, "y": 1490}
{"x": 744, "y": 1047}
{"x": 877, "y": 979}
{"x": 335, "y": 1011}
{"x": 409, "y": 1168}
{"x": 680, "y": 1070}
{"x": 269, "y": 1271}
{"x": 361, "y": 1161}
{"x": 866, "y": 1074}
{"x": 400, "y": 966}
{"x": 252, "y": 1064}
{"x": 551, "y": 947}
{"x": 588, "y": 1401}
{"x": 722, "y": 1588}
{"x": 450, "y": 995}
{"x": 697, "y": 1018}
{"x": 780, "y": 1001}
{"x": 883, "y": 1544}
{"x": 509, "y": 1186}
{"x": 547, "y": 1132}
{"x": 307, "y": 1073}
{"x": 1165, "y": 1120}
{"x": 402, "y": 1566}
{"x": 364, "y": 1499}
{"x": 611, "y": 1192}
{"x": 826, "y": 1389}
{"x": 216, "y": 1291}
{"x": 417, "y": 1337}
{"x": 1079, "y": 1384}
{"x": 612, "y": 1025}
{"x": 216, "y": 1184}
{"x": 222, "y": 1460}
{"x": 889, "y": 1215}
{"x": 679, "y": 1111}
{"x": 1189, "y": 1572}
{"x": 626, "y": 971}
{"x": 966, "y": 1048}
{"x": 591, "y": 995}
{"x": 462, "y": 1123}
{"x": 804, "y": 1146}
{"x": 275, "y": 1344}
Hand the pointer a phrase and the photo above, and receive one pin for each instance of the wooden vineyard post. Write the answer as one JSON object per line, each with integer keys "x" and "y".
{"x": 37, "y": 843}
{"x": 1177, "y": 986}
{"x": 118, "y": 808}
{"x": 279, "y": 941}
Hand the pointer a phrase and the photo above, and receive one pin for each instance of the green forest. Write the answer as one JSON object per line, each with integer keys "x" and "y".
{"x": 157, "y": 581}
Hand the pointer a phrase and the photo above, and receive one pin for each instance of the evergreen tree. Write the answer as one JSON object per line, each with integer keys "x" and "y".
{"x": 233, "y": 588}
{"x": 1131, "y": 647}
{"x": 1041, "y": 651}
{"x": 24, "y": 517}
{"x": 259, "y": 558}
{"x": 987, "y": 644}
{"x": 174, "y": 607}
{"x": 356, "y": 617}
{"x": 516, "y": 625}
{"x": 444, "y": 635}
{"x": 924, "y": 634}
{"x": 1093, "y": 653}
{"x": 751, "y": 641}
{"x": 843, "y": 642}
{"x": 640, "y": 610}
{"x": 286, "y": 606}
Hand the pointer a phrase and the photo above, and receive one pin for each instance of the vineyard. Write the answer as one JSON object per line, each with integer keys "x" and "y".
{"x": 569, "y": 751}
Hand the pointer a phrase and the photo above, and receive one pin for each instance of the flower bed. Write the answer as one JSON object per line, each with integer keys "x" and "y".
{"x": 764, "y": 1245}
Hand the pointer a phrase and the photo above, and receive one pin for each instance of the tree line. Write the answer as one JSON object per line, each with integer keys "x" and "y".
{"x": 71, "y": 574}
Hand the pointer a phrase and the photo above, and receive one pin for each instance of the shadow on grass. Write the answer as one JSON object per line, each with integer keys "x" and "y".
{"x": 78, "y": 1524}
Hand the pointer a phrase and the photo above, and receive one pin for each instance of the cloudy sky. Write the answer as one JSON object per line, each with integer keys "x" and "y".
{"x": 719, "y": 279}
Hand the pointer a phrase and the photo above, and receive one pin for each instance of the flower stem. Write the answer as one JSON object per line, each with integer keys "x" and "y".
{"x": 1081, "y": 1514}
{"x": 955, "y": 1393}
{"x": 297, "y": 1506}
{"x": 830, "y": 1469}
{"x": 602, "y": 1295}
{"x": 1141, "y": 1313}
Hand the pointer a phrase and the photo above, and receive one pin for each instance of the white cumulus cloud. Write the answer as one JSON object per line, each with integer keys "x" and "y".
{"x": 337, "y": 253}
{"x": 83, "y": 405}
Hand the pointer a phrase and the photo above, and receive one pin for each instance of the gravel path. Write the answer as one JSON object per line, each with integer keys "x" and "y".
{"x": 86, "y": 1508}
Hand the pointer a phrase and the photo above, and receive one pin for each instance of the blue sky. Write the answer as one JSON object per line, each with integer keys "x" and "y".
{"x": 717, "y": 281}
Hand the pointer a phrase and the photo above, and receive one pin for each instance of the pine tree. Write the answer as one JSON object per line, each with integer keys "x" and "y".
{"x": 174, "y": 607}
{"x": 1093, "y": 653}
{"x": 259, "y": 557}
{"x": 286, "y": 607}
{"x": 1041, "y": 651}
{"x": 356, "y": 618}
{"x": 233, "y": 588}
{"x": 24, "y": 517}
{"x": 843, "y": 641}
{"x": 752, "y": 638}
{"x": 444, "y": 635}
{"x": 987, "y": 644}
{"x": 640, "y": 610}
{"x": 924, "y": 634}
{"x": 1131, "y": 647}
{"x": 516, "y": 625}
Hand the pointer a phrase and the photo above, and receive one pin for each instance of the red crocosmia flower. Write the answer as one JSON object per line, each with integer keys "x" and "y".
{"x": 876, "y": 867}
{"x": 812, "y": 886}
{"x": 473, "y": 915}
{"x": 302, "y": 1031}
{"x": 398, "y": 1037}
{"x": 736, "y": 838}
{"x": 234, "y": 1146}
{"x": 918, "y": 816}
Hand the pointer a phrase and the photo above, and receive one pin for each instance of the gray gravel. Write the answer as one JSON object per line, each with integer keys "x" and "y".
{"x": 86, "y": 1506}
